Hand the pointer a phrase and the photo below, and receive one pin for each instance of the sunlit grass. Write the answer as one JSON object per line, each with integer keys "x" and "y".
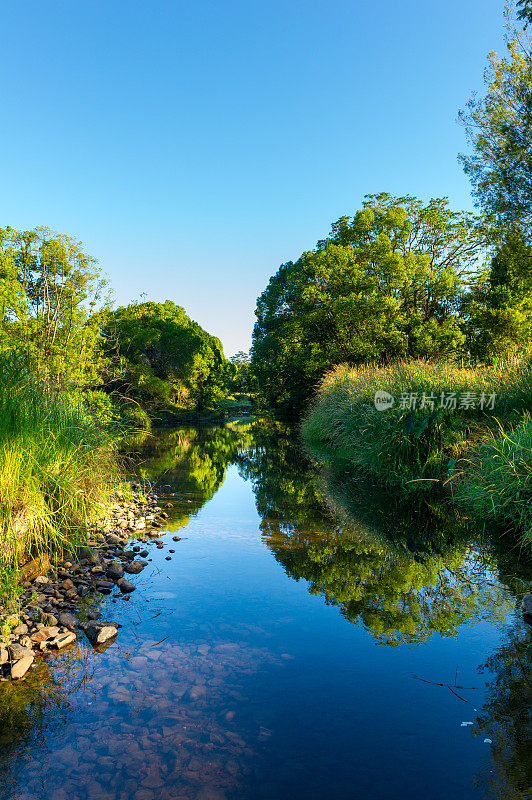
{"x": 418, "y": 450}
{"x": 57, "y": 470}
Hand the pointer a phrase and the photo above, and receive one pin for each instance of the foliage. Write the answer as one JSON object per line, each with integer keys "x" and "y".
{"x": 157, "y": 356}
{"x": 49, "y": 290}
{"x": 405, "y": 573}
{"x": 499, "y": 129}
{"x": 500, "y": 311}
{"x": 427, "y": 447}
{"x": 57, "y": 468}
{"x": 498, "y": 484}
{"x": 383, "y": 286}
{"x": 243, "y": 380}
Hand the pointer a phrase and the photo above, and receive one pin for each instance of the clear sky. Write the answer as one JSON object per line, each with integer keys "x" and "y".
{"x": 195, "y": 146}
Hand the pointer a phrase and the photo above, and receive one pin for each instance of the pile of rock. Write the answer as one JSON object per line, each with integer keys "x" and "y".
{"x": 51, "y": 603}
{"x": 18, "y": 648}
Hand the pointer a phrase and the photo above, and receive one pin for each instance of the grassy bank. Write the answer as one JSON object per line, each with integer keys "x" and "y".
{"x": 480, "y": 454}
{"x": 58, "y": 471}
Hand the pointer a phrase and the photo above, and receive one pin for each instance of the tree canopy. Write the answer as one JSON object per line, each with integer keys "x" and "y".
{"x": 499, "y": 131}
{"x": 384, "y": 285}
{"x": 157, "y": 356}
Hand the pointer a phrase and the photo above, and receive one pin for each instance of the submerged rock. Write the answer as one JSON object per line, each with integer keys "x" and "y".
{"x": 98, "y": 632}
{"x": 20, "y": 667}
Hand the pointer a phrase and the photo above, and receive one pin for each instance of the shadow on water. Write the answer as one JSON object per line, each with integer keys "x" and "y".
{"x": 179, "y": 718}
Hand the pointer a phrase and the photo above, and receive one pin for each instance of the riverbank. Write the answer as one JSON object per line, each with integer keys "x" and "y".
{"x": 55, "y": 603}
{"x": 426, "y": 427}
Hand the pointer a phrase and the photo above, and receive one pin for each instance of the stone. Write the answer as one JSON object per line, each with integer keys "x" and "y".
{"x": 67, "y": 585}
{"x": 41, "y": 579}
{"x": 42, "y": 635}
{"x": 4, "y": 655}
{"x": 115, "y": 570}
{"x": 135, "y": 567}
{"x": 21, "y": 629}
{"x": 98, "y": 633}
{"x": 62, "y": 640}
{"x": 17, "y": 651}
{"x": 20, "y": 667}
{"x": 67, "y": 620}
{"x": 125, "y": 586}
{"x": 84, "y": 552}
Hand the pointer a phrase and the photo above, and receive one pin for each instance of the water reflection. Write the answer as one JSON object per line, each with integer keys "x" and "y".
{"x": 405, "y": 572}
{"x": 182, "y": 707}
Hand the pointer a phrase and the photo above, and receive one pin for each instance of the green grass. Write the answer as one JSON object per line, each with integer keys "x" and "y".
{"x": 58, "y": 471}
{"x": 498, "y": 482}
{"x": 427, "y": 448}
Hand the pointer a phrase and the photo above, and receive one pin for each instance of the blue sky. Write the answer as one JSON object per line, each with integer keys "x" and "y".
{"x": 194, "y": 147}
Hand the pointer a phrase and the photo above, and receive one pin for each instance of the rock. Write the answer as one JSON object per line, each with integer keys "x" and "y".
{"x": 67, "y": 621}
{"x": 98, "y": 633}
{"x": 115, "y": 570}
{"x": 125, "y": 586}
{"x": 84, "y": 552}
{"x": 43, "y": 635}
{"x": 144, "y": 553}
{"x": 34, "y": 568}
{"x": 4, "y": 655}
{"x": 49, "y": 620}
{"x": 112, "y": 538}
{"x": 67, "y": 585}
{"x": 21, "y": 629}
{"x": 41, "y": 579}
{"x": 176, "y": 538}
{"x": 19, "y": 668}
{"x": 135, "y": 567}
{"x": 17, "y": 651}
{"x": 62, "y": 640}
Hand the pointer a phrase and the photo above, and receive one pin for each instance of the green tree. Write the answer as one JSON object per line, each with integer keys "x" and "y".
{"x": 499, "y": 131}
{"x": 49, "y": 290}
{"x": 243, "y": 380}
{"x": 385, "y": 285}
{"x": 500, "y": 305}
{"x": 157, "y": 356}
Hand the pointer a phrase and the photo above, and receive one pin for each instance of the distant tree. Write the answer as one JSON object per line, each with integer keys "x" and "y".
{"x": 156, "y": 355}
{"x": 385, "y": 285}
{"x": 243, "y": 380}
{"x": 499, "y": 130}
{"x": 524, "y": 11}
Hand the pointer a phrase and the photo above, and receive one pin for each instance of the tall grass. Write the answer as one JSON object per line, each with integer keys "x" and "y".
{"x": 498, "y": 483}
{"x": 485, "y": 453}
{"x": 58, "y": 470}
{"x": 405, "y": 447}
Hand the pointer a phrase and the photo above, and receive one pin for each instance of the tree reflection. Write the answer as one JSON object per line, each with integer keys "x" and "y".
{"x": 190, "y": 463}
{"x": 404, "y": 572}
{"x": 506, "y": 717}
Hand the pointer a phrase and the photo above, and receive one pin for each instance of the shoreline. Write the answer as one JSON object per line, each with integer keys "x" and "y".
{"x": 53, "y": 603}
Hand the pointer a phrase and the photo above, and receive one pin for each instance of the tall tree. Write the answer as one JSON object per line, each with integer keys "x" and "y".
{"x": 49, "y": 290}
{"x": 499, "y": 130}
{"x": 383, "y": 286}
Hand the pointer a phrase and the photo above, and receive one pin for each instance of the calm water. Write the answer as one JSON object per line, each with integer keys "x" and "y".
{"x": 308, "y": 639}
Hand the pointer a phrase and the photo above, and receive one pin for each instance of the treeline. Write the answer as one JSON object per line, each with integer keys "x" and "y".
{"x": 127, "y": 363}
{"x": 402, "y": 279}
{"x": 428, "y": 310}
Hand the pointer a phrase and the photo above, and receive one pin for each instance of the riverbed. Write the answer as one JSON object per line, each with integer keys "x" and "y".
{"x": 306, "y": 637}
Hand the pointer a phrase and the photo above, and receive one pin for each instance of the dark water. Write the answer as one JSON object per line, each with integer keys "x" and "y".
{"x": 309, "y": 639}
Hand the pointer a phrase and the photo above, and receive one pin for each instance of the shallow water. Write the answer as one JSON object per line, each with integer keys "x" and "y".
{"x": 308, "y": 639}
